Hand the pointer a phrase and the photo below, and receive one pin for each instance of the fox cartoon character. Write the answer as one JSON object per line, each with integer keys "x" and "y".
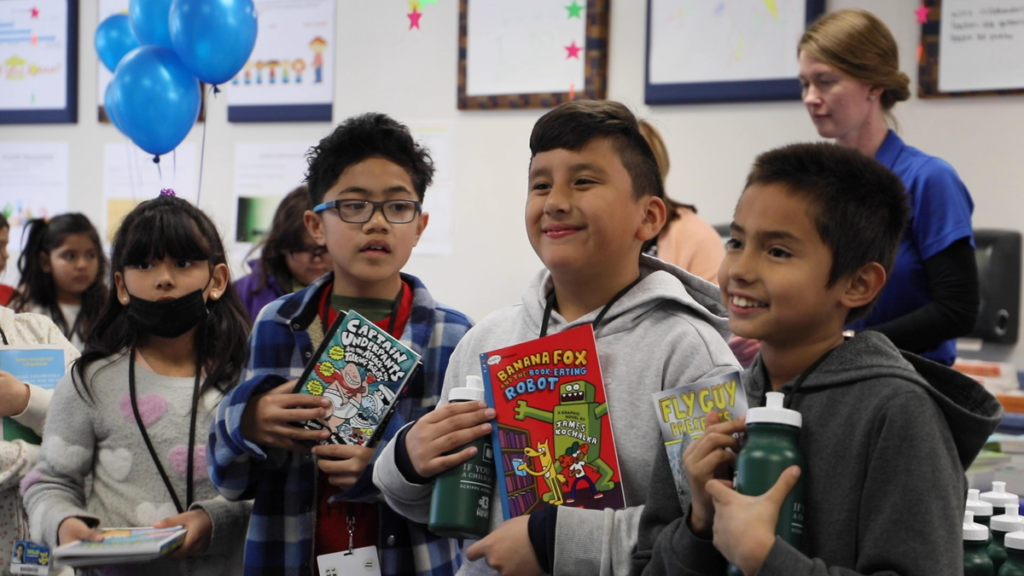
{"x": 547, "y": 470}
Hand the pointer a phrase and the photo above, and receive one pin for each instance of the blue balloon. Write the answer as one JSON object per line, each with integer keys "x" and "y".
{"x": 110, "y": 106}
{"x": 114, "y": 39}
{"x": 150, "y": 21}
{"x": 156, "y": 98}
{"x": 214, "y": 38}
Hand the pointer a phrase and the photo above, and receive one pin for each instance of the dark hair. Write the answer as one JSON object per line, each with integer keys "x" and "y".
{"x": 3, "y": 221}
{"x": 287, "y": 234}
{"x": 362, "y": 137}
{"x": 37, "y": 287}
{"x": 153, "y": 230}
{"x": 858, "y": 206}
{"x": 574, "y": 124}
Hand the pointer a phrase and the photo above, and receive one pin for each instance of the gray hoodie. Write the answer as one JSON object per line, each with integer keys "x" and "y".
{"x": 886, "y": 437}
{"x": 667, "y": 331}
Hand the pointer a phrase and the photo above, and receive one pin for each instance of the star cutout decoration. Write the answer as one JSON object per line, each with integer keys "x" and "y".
{"x": 35, "y": 12}
{"x": 922, "y": 14}
{"x": 425, "y": 2}
{"x": 414, "y": 19}
{"x": 573, "y": 51}
{"x": 575, "y": 10}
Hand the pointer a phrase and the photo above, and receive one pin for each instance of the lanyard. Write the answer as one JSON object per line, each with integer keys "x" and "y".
{"x": 600, "y": 316}
{"x": 57, "y": 315}
{"x": 149, "y": 443}
{"x": 4, "y": 337}
{"x": 391, "y": 323}
{"x": 788, "y": 401}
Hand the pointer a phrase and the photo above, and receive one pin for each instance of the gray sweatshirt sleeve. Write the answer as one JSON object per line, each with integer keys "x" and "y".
{"x": 230, "y": 520}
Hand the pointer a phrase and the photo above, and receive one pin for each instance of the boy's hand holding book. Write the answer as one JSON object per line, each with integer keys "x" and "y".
{"x": 267, "y": 418}
{"x": 434, "y": 436}
{"x": 707, "y": 459}
{"x": 342, "y": 463}
{"x": 508, "y": 549}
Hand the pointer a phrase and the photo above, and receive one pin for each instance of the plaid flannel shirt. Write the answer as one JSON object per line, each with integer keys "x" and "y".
{"x": 283, "y": 483}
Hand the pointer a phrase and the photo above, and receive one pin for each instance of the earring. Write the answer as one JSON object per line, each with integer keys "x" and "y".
{"x": 124, "y": 300}
{"x": 215, "y": 295}
{"x": 871, "y": 97}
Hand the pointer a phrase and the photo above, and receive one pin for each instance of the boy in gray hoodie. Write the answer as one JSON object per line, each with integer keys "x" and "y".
{"x": 886, "y": 434}
{"x": 595, "y": 196}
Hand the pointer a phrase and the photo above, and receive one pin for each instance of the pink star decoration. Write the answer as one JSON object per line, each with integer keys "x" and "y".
{"x": 922, "y": 14}
{"x": 573, "y": 51}
{"x": 35, "y": 12}
{"x": 414, "y": 19}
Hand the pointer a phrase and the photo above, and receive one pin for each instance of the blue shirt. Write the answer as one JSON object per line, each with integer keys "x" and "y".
{"x": 940, "y": 214}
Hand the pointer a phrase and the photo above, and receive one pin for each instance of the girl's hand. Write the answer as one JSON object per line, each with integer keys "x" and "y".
{"x": 74, "y": 530}
{"x": 199, "y": 526}
{"x": 13, "y": 395}
{"x": 707, "y": 459}
{"x": 267, "y": 417}
{"x": 342, "y": 464}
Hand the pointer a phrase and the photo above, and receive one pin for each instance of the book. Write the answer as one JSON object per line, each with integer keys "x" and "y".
{"x": 121, "y": 546}
{"x": 363, "y": 371}
{"x": 37, "y": 364}
{"x": 554, "y": 431}
{"x": 683, "y": 411}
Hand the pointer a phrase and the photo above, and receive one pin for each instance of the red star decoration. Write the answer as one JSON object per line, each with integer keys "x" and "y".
{"x": 573, "y": 51}
{"x": 922, "y": 14}
{"x": 35, "y": 12}
{"x": 414, "y": 19}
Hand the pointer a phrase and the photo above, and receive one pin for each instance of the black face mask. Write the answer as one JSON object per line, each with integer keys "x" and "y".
{"x": 168, "y": 319}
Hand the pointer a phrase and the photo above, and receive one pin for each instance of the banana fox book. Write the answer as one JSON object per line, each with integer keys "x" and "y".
{"x": 553, "y": 441}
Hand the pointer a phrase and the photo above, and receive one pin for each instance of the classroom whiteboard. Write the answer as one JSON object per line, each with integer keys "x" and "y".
{"x": 981, "y": 45}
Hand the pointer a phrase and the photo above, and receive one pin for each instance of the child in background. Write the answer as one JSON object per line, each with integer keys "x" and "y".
{"x": 6, "y": 292}
{"x": 366, "y": 182}
{"x": 595, "y": 197}
{"x": 62, "y": 268}
{"x": 886, "y": 435}
{"x": 290, "y": 260}
{"x": 136, "y": 406}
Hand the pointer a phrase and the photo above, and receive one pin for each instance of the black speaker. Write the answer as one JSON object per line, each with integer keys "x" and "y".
{"x": 998, "y": 253}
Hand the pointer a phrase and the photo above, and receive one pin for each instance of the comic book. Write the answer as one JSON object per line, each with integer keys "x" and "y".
{"x": 121, "y": 546}
{"x": 554, "y": 432}
{"x": 362, "y": 370}
{"x": 682, "y": 412}
{"x": 41, "y": 365}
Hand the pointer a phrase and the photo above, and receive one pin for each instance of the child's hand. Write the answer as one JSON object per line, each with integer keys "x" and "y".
{"x": 453, "y": 425}
{"x": 13, "y": 395}
{"x": 348, "y": 466}
{"x": 199, "y": 526}
{"x": 745, "y": 525}
{"x": 75, "y": 529}
{"x": 267, "y": 416}
{"x": 707, "y": 459}
{"x": 508, "y": 549}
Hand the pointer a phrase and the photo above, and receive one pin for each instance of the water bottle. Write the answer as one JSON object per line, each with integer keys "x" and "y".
{"x": 1014, "y": 565}
{"x": 1000, "y": 526}
{"x": 976, "y": 559}
{"x": 982, "y": 510}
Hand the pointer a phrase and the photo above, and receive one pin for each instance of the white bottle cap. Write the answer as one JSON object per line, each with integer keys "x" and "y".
{"x": 974, "y": 532}
{"x": 999, "y": 497}
{"x": 1009, "y": 522}
{"x": 774, "y": 413}
{"x": 979, "y": 507}
{"x": 1015, "y": 540}
{"x": 473, "y": 390}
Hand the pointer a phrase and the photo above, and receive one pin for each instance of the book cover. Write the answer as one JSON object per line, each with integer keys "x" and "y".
{"x": 682, "y": 414}
{"x": 554, "y": 433}
{"x": 121, "y": 546}
{"x": 362, "y": 370}
{"x": 36, "y": 364}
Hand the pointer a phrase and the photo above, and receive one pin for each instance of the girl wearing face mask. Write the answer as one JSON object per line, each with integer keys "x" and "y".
{"x": 136, "y": 408}
{"x": 849, "y": 69}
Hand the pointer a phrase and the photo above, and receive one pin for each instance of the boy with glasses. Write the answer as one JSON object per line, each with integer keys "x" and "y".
{"x": 366, "y": 182}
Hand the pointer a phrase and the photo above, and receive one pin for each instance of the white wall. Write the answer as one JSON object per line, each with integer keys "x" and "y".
{"x": 412, "y": 76}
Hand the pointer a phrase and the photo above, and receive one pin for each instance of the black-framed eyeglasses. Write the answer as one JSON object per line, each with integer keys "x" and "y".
{"x": 356, "y": 211}
{"x": 314, "y": 253}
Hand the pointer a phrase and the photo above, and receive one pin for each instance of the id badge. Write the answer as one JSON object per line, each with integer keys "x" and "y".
{"x": 359, "y": 562}
{"x": 30, "y": 558}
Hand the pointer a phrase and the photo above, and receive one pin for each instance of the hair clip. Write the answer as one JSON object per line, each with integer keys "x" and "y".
{"x": 167, "y": 192}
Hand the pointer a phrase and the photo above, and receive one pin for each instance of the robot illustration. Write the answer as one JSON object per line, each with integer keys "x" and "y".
{"x": 547, "y": 470}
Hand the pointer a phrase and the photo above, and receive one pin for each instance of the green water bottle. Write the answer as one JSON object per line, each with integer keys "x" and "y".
{"x": 771, "y": 448}
{"x": 460, "y": 506}
{"x": 982, "y": 510}
{"x": 999, "y": 498}
{"x": 976, "y": 560}
{"x": 1014, "y": 565}
{"x": 1000, "y": 526}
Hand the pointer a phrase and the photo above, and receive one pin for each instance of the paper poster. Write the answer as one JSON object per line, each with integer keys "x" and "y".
{"x": 265, "y": 172}
{"x": 981, "y": 45}
{"x": 437, "y": 137}
{"x": 34, "y": 180}
{"x": 130, "y": 176}
{"x": 720, "y": 41}
{"x": 290, "y": 73}
{"x": 33, "y": 54}
{"x": 107, "y": 8}
{"x": 525, "y": 47}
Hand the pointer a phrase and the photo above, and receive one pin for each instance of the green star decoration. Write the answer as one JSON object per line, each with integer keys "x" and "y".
{"x": 575, "y": 10}
{"x": 425, "y": 2}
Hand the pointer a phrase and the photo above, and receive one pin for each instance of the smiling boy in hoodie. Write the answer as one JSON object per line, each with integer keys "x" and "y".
{"x": 595, "y": 196}
{"x": 886, "y": 434}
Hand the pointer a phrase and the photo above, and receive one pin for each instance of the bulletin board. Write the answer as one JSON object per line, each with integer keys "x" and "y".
{"x": 970, "y": 48}
{"x": 531, "y": 53}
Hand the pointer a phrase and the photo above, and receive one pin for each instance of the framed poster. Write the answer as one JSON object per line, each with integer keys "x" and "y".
{"x": 531, "y": 53}
{"x": 725, "y": 51}
{"x": 38, "y": 61}
{"x": 969, "y": 48}
{"x": 290, "y": 74}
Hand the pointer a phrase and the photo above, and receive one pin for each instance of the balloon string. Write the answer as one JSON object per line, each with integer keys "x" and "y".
{"x": 159, "y": 171}
{"x": 174, "y": 168}
{"x": 202, "y": 149}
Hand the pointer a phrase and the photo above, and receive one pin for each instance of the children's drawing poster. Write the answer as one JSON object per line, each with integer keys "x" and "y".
{"x": 290, "y": 73}
{"x": 554, "y": 432}
{"x": 34, "y": 46}
{"x": 265, "y": 172}
{"x": 130, "y": 177}
{"x": 34, "y": 180}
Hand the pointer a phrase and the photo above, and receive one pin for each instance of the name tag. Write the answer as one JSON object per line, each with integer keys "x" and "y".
{"x": 29, "y": 558}
{"x": 359, "y": 562}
